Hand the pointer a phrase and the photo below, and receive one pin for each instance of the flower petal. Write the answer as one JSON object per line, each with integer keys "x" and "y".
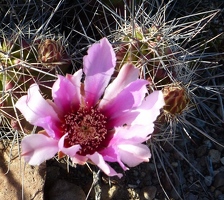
{"x": 128, "y": 137}
{"x": 127, "y": 74}
{"x": 110, "y": 154}
{"x": 77, "y": 159}
{"x": 37, "y": 148}
{"x": 98, "y": 67}
{"x": 150, "y": 108}
{"x": 76, "y": 81}
{"x": 133, "y": 155}
{"x": 65, "y": 94}
{"x": 38, "y": 111}
{"x": 98, "y": 160}
{"x": 130, "y": 97}
{"x": 144, "y": 115}
{"x": 71, "y": 151}
{"x": 133, "y": 134}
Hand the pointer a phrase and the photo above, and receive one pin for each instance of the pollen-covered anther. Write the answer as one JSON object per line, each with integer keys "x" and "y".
{"x": 86, "y": 127}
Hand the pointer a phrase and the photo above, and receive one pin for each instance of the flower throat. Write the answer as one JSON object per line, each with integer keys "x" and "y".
{"x": 86, "y": 127}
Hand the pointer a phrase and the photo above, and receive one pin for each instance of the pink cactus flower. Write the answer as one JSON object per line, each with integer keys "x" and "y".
{"x": 91, "y": 121}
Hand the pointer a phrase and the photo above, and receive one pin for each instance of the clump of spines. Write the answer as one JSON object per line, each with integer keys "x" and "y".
{"x": 23, "y": 64}
{"x": 156, "y": 59}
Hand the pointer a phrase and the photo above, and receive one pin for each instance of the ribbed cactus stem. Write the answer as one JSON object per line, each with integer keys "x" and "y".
{"x": 146, "y": 49}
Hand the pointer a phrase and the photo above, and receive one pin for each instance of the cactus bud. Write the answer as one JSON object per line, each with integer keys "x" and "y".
{"x": 176, "y": 99}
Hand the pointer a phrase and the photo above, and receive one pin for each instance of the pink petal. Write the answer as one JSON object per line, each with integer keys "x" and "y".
{"x": 38, "y": 111}
{"x": 133, "y": 155}
{"x": 98, "y": 160}
{"x": 65, "y": 94}
{"x": 77, "y": 159}
{"x": 76, "y": 81}
{"x": 150, "y": 108}
{"x": 131, "y": 134}
{"x": 37, "y": 148}
{"x": 127, "y": 74}
{"x": 98, "y": 67}
{"x": 71, "y": 151}
{"x": 130, "y": 97}
{"x": 127, "y": 140}
{"x": 110, "y": 154}
{"x": 144, "y": 115}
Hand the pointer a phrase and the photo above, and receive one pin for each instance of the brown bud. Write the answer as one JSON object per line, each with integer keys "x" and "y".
{"x": 49, "y": 51}
{"x": 176, "y": 99}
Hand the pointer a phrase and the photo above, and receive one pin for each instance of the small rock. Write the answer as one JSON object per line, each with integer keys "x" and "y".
{"x": 143, "y": 174}
{"x": 135, "y": 172}
{"x": 148, "y": 193}
{"x": 151, "y": 167}
{"x": 214, "y": 155}
{"x": 108, "y": 192}
{"x": 201, "y": 151}
{"x": 133, "y": 193}
{"x": 208, "y": 144}
{"x": 174, "y": 164}
{"x": 220, "y": 197}
{"x": 112, "y": 191}
{"x": 63, "y": 190}
{"x": 222, "y": 160}
{"x": 208, "y": 180}
{"x": 217, "y": 193}
{"x": 219, "y": 180}
{"x": 202, "y": 161}
{"x": 192, "y": 196}
{"x": 221, "y": 189}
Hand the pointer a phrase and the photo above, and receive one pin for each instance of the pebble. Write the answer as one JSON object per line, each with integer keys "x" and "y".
{"x": 201, "y": 151}
{"x": 208, "y": 143}
{"x": 133, "y": 193}
{"x": 135, "y": 172}
{"x": 143, "y": 174}
{"x": 109, "y": 192}
{"x": 217, "y": 193}
{"x": 148, "y": 193}
{"x": 64, "y": 190}
{"x": 192, "y": 196}
{"x": 203, "y": 161}
{"x": 151, "y": 167}
{"x": 220, "y": 197}
{"x": 222, "y": 160}
{"x": 174, "y": 164}
{"x": 208, "y": 180}
{"x": 214, "y": 155}
{"x": 218, "y": 180}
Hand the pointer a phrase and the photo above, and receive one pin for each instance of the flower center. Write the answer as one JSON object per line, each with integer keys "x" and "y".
{"x": 86, "y": 127}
